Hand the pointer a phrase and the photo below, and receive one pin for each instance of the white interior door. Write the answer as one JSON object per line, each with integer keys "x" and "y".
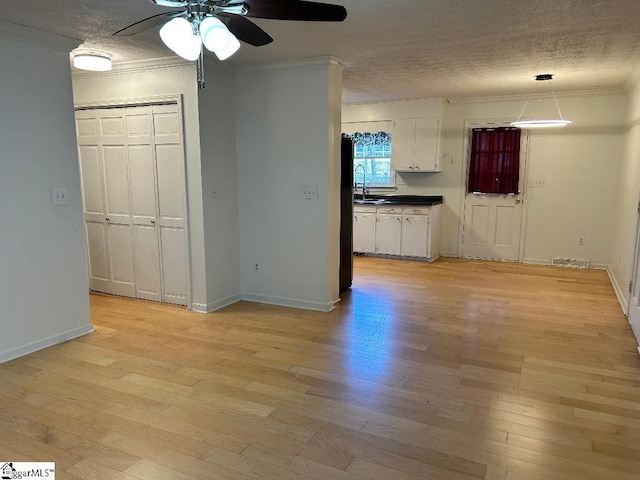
{"x": 634, "y": 300}
{"x": 132, "y": 173}
{"x": 94, "y": 212}
{"x": 171, "y": 203}
{"x": 144, "y": 203}
{"x": 118, "y": 218}
{"x": 492, "y": 223}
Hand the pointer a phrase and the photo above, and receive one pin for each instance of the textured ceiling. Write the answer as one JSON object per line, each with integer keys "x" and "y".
{"x": 401, "y": 49}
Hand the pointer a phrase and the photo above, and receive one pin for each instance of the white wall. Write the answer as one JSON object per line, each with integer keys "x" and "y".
{"x": 43, "y": 269}
{"x": 142, "y": 82}
{"x": 220, "y": 187}
{"x": 579, "y": 163}
{"x": 628, "y": 195}
{"x": 287, "y": 131}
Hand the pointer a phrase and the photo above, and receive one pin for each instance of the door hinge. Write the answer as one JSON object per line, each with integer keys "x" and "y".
{"x": 638, "y": 206}
{"x": 630, "y": 286}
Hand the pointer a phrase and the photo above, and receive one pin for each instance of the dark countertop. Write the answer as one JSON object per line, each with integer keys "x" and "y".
{"x": 397, "y": 199}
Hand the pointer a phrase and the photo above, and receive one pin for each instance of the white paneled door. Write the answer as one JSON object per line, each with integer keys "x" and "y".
{"x": 492, "y": 222}
{"x": 134, "y": 201}
{"x": 492, "y": 226}
{"x": 634, "y": 296}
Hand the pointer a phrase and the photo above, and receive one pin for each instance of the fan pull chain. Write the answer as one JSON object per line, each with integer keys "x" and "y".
{"x": 200, "y": 69}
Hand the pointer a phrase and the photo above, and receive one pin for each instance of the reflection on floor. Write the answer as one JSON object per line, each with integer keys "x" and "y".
{"x": 451, "y": 370}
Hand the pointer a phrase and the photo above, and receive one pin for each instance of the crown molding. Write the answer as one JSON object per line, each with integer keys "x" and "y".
{"x": 310, "y": 63}
{"x": 38, "y": 37}
{"x": 521, "y": 98}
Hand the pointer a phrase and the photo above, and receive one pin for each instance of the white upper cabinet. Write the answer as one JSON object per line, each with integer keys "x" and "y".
{"x": 415, "y": 143}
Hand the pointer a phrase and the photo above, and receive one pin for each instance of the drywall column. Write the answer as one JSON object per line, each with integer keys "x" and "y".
{"x": 220, "y": 188}
{"x": 43, "y": 270}
{"x": 287, "y": 137}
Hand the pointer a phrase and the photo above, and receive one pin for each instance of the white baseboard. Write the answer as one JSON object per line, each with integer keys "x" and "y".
{"x": 217, "y": 305}
{"x": 289, "y": 302}
{"x": 23, "y": 350}
{"x": 535, "y": 261}
{"x": 449, "y": 254}
{"x": 622, "y": 298}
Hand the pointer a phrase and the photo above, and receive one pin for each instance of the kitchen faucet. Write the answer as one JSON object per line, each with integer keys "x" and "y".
{"x": 364, "y": 179}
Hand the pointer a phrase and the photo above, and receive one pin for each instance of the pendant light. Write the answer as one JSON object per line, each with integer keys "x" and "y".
{"x": 546, "y": 122}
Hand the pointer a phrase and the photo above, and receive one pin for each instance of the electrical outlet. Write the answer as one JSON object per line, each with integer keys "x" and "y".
{"x": 310, "y": 192}
{"x": 580, "y": 240}
{"x": 59, "y": 196}
{"x": 256, "y": 268}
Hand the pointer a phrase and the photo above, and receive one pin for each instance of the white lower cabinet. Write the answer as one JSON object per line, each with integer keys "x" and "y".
{"x": 389, "y": 231}
{"x": 364, "y": 229}
{"x": 408, "y": 231}
{"x": 415, "y": 235}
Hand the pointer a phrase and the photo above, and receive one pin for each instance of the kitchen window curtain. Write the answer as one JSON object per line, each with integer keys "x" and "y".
{"x": 494, "y": 166}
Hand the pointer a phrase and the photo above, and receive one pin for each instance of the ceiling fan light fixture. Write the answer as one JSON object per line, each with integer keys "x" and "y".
{"x": 215, "y": 35}
{"x": 542, "y": 123}
{"x": 177, "y": 34}
{"x": 231, "y": 48}
{"x": 93, "y": 61}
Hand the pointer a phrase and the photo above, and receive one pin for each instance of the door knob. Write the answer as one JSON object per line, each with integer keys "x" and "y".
{"x": 518, "y": 200}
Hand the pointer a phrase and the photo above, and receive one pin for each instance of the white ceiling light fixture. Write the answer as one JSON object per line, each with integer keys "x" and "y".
{"x": 93, "y": 61}
{"x": 178, "y": 34}
{"x": 186, "y": 36}
{"x": 215, "y": 35}
{"x": 542, "y": 123}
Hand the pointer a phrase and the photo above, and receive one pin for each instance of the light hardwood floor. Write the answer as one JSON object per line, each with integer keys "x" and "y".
{"x": 451, "y": 370}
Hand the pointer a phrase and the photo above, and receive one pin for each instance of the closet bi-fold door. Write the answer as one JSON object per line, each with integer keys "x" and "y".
{"x": 171, "y": 203}
{"x": 148, "y": 282}
{"x": 134, "y": 201}
{"x": 107, "y": 214}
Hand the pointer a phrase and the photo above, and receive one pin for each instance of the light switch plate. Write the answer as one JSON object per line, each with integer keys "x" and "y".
{"x": 59, "y": 196}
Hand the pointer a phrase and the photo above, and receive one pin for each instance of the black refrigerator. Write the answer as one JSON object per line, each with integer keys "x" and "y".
{"x": 346, "y": 214}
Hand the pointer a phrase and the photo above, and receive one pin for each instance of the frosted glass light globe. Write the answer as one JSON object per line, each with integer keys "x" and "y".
{"x": 177, "y": 34}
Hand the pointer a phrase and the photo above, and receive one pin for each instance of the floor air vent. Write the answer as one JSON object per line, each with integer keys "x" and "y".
{"x": 569, "y": 262}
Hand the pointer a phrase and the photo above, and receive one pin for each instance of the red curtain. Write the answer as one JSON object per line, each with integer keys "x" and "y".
{"x": 494, "y": 166}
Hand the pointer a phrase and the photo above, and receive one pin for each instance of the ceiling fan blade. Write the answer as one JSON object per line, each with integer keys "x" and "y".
{"x": 296, "y": 10}
{"x": 147, "y": 23}
{"x": 245, "y": 30}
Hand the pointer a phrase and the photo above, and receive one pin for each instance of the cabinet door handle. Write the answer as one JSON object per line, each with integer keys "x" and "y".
{"x": 107, "y": 219}
{"x": 408, "y": 221}
{"x": 417, "y": 167}
{"x": 153, "y": 222}
{"x": 398, "y": 219}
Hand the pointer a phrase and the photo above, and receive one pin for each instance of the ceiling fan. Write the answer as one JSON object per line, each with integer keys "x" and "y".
{"x": 220, "y": 25}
